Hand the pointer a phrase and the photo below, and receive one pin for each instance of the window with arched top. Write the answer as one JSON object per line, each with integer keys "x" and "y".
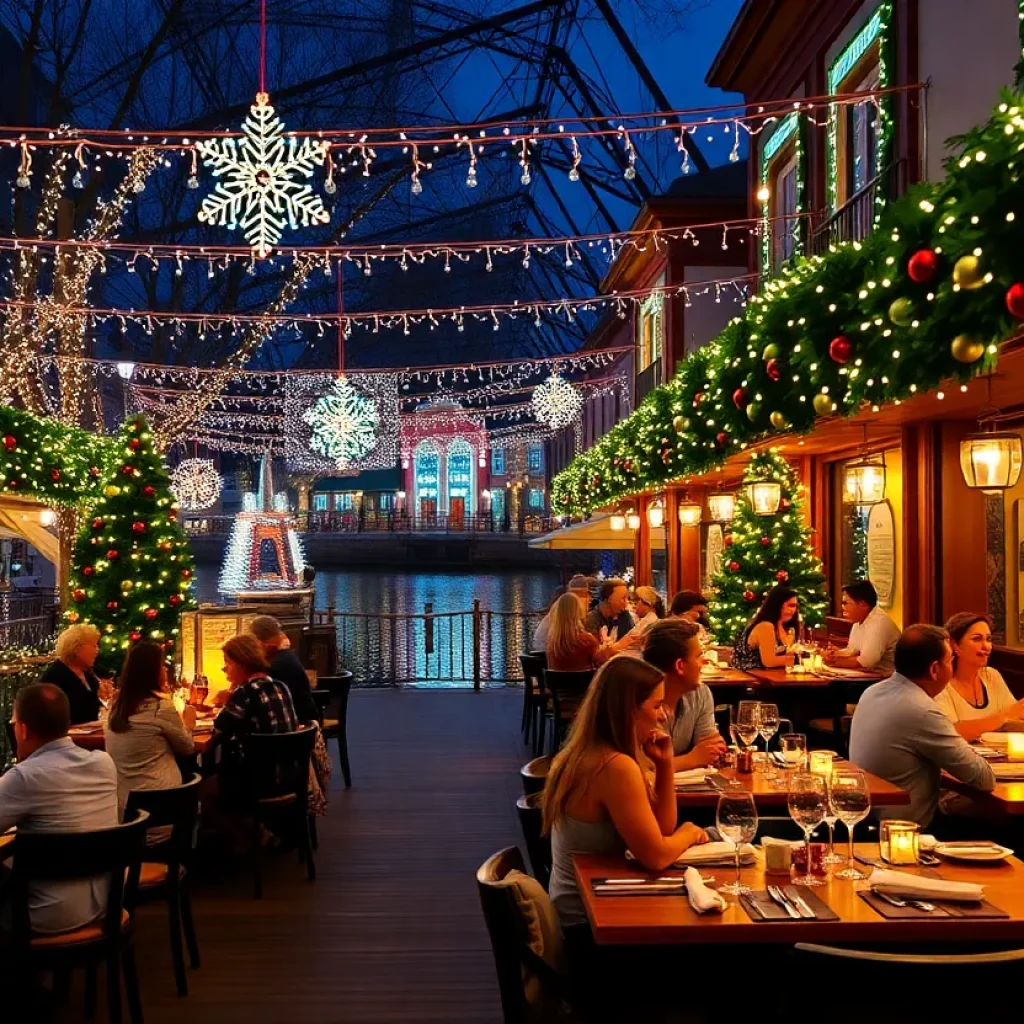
{"x": 460, "y": 478}
{"x": 426, "y": 478}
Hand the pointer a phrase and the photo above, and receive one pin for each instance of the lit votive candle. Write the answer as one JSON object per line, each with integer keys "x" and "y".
{"x": 1015, "y": 746}
{"x": 899, "y": 842}
{"x": 821, "y": 762}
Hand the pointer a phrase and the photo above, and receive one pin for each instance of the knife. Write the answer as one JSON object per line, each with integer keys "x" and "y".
{"x": 776, "y": 894}
{"x": 801, "y": 904}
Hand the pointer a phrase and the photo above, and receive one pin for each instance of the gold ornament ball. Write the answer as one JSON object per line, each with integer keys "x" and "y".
{"x": 778, "y": 420}
{"x": 680, "y": 423}
{"x": 967, "y": 273}
{"x": 822, "y": 404}
{"x": 753, "y": 411}
{"x": 127, "y": 586}
{"x": 966, "y": 350}
{"x": 111, "y": 491}
{"x": 901, "y": 312}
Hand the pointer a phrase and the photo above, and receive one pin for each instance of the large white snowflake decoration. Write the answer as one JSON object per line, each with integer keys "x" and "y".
{"x": 344, "y": 424}
{"x": 261, "y": 194}
{"x": 196, "y": 484}
{"x": 556, "y": 403}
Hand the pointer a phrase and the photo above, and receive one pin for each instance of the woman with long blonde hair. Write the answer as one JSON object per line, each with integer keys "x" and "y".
{"x": 599, "y": 796}
{"x": 570, "y": 648}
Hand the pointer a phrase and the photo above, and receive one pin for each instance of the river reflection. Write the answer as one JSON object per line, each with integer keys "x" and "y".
{"x": 385, "y": 636}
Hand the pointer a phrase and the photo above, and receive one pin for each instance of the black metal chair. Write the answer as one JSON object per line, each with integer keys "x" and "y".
{"x": 567, "y": 690}
{"x": 331, "y": 696}
{"x": 535, "y": 700}
{"x": 538, "y": 846}
{"x": 276, "y": 767}
{"x": 112, "y": 853}
{"x": 166, "y": 870}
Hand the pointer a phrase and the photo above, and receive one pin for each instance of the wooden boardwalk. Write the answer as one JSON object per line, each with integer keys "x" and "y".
{"x": 391, "y": 931}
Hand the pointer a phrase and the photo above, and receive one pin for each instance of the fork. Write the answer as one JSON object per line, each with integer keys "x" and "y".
{"x": 928, "y": 908}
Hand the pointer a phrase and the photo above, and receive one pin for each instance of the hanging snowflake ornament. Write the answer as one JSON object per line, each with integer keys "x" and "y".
{"x": 262, "y": 192}
{"x": 196, "y": 484}
{"x": 556, "y": 403}
{"x": 344, "y": 424}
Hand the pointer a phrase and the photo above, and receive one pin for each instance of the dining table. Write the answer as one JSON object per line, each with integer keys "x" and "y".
{"x": 625, "y": 920}
{"x": 779, "y": 678}
{"x": 774, "y": 793}
{"x": 1006, "y": 798}
{"x": 90, "y": 737}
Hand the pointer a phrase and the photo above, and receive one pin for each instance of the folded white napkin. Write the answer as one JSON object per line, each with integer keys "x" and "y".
{"x": 701, "y": 898}
{"x": 995, "y": 739}
{"x": 1008, "y": 771}
{"x": 717, "y": 853}
{"x": 927, "y": 842}
{"x": 900, "y": 883}
{"x": 693, "y": 776}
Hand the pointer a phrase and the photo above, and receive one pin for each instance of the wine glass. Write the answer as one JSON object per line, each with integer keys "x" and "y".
{"x": 794, "y": 749}
{"x": 736, "y": 820}
{"x": 808, "y": 800}
{"x": 852, "y": 801}
{"x": 768, "y": 725}
{"x": 748, "y": 721}
{"x": 831, "y": 817}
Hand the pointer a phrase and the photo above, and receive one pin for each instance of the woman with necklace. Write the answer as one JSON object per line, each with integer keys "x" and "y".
{"x": 767, "y": 640}
{"x": 976, "y": 699}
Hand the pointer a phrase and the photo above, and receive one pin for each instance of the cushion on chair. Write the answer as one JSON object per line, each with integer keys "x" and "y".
{"x": 77, "y": 936}
{"x": 329, "y": 724}
{"x": 543, "y": 929}
{"x": 154, "y": 873}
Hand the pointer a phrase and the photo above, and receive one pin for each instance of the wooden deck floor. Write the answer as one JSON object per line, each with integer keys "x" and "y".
{"x": 391, "y": 931}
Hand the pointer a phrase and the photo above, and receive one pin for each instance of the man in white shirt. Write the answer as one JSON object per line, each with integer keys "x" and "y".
{"x": 580, "y": 587}
{"x": 57, "y": 787}
{"x": 873, "y": 636}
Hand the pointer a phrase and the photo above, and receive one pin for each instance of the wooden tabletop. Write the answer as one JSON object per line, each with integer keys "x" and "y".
{"x": 669, "y": 920}
{"x": 93, "y": 739}
{"x": 779, "y": 677}
{"x": 722, "y": 675}
{"x": 883, "y": 794}
{"x": 6, "y": 841}
{"x": 1006, "y": 798}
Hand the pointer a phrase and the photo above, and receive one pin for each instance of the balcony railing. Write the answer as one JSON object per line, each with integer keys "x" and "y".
{"x": 384, "y": 522}
{"x": 855, "y": 219}
{"x": 647, "y": 380}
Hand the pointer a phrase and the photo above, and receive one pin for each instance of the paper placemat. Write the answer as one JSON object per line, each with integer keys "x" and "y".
{"x": 759, "y": 906}
{"x": 946, "y": 909}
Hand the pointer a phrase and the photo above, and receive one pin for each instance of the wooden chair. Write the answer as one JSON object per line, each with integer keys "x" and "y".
{"x": 166, "y": 870}
{"x": 114, "y": 853}
{"x": 842, "y": 696}
{"x": 331, "y": 696}
{"x": 567, "y": 690}
{"x": 535, "y": 700}
{"x": 276, "y": 766}
{"x": 538, "y": 846}
{"x": 533, "y": 986}
{"x": 534, "y": 774}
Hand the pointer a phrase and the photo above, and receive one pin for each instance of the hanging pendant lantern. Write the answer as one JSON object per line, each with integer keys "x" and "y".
{"x": 656, "y": 514}
{"x": 864, "y": 481}
{"x": 721, "y": 507}
{"x": 765, "y": 497}
{"x": 991, "y": 461}
{"x": 690, "y": 513}
{"x": 633, "y": 520}
{"x": 617, "y": 522}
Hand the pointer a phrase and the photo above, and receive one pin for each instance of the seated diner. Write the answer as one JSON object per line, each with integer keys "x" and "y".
{"x": 78, "y": 647}
{"x": 570, "y": 648}
{"x": 873, "y": 635}
{"x": 766, "y": 641}
{"x": 284, "y": 665}
{"x": 611, "y": 619}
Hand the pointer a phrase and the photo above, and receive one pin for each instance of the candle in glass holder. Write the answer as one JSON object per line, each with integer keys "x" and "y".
{"x": 821, "y": 762}
{"x": 179, "y": 701}
{"x": 1015, "y": 746}
{"x": 898, "y": 841}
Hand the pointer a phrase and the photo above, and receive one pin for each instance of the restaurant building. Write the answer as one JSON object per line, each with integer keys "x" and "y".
{"x": 932, "y": 544}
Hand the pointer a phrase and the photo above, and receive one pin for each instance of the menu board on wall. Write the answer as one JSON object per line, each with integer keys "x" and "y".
{"x": 882, "y": 552}
{"x": 713, "y": 553}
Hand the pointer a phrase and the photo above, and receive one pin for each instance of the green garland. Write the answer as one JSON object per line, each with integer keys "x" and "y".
{"x": 926, "y": 298}
{"x": 44, "y": 459}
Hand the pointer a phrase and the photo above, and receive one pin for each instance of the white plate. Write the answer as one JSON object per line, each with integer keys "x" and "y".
{"x": 995, "y": 853}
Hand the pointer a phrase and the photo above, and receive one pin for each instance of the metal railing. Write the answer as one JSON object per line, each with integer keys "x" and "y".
{"x": 855, "y": 219}
{"x": 385, "y": 522}
{"x": 27, "y": 620}
{"x": 475, "y": 647}
{"x": 648, "y": 379}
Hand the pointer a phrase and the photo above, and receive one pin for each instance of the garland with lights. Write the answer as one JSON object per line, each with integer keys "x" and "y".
{"x": 762, "y": 552}
{"x": 927, "y": 297}
{"x": 132, "y": 574}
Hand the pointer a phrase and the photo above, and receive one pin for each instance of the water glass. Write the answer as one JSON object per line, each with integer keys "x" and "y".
{"x": 794, "y": 750}
{"x": 768, "y": 720}
{"x": 748, "y": 721}
{"x": 852, "y": 801}
{"x": 736, "y": 821}
{"x": 808, "y": 803}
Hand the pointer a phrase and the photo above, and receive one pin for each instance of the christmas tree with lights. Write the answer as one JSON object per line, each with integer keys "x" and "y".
{"x": 764, "y": 550}
{"x": 132, "y": 569}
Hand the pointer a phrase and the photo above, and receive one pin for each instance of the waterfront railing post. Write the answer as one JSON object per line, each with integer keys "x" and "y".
{"x": 476, "y": 643}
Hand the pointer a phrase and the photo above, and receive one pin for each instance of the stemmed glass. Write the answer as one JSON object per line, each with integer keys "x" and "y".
{"x": 831, "y": 817}
{"x": 748, "y": 721}
{"x": 736, "y": 820}
{"x": 768, "y": 726}
{"x": 852, "y": 800}
{"x": 808, "y": 800}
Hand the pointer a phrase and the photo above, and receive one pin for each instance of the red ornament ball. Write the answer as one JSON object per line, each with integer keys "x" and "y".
{"x": 94, "y": 471}
{"x": 127, "y": 470}
{"x": 1015, "y": 300}
{"x": 78, "y": 594}
{"x": 784, "y": 504}
{"x": 175, "y": 599}
{"x": 88, "y": 570}
{"x": 722, "y": 438}
{"x": 782, "y": 575}
{"x": 134, "y": 443}
{"x": 55, "y": 474}
{"x": 111, "y": 606}
{"x": 151, "y": 613}
{"x": 728, "y": 541}
{"x": 186, "y": 574}
{"x": 922, "y": 265}
{"x": 149, "y": 491}
{"x": 113, "y": 555}
{"x": 734, "y": 566}
{"x": 766, "y": 542}
{"x": 840, "y": 349}
{"x": 173, "y": 513}
{"x": 12, "y": 483}
{"x": 139, "y": 526}
{"x": 134, "y": 635}
{"x": 749, "y": 596}
{"x": 10, "y": 442}
{"x": 97, "y": 523}
{"x": 698, "y": 398}
{"x": 773, "y": 369}
{"x": 740, "y": 398}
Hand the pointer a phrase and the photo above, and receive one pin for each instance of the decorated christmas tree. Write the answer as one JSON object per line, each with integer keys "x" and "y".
{"x": 132, "y": 573}
{"x": 762, "y": 551}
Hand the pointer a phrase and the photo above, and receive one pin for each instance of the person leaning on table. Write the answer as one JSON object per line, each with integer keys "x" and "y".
{"x": 78, "y": 647}
{"x": 902, "y": 735}
{"x": 873, "y": 635}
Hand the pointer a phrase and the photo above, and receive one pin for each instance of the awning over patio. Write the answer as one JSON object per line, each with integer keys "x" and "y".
{"x": 595, "y": 534}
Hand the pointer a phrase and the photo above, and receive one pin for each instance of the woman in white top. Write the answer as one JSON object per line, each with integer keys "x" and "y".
{"x": 144, "y": 731}
{"x": 977, "y": 698}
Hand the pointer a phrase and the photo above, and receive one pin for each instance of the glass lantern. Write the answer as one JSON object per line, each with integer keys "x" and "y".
{"x": 633, "y": 520}
{"x": 765, "y": 497}
{"x": 722, "y": 507}
{"x": 690, "y": 513}
{"x": 864, "y": 483}
{"x": 991, "y": 461}
{"x": 617, "y": 521}
{"x": 656, "y": 514}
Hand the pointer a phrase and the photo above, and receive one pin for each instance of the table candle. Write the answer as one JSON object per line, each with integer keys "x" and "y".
{"x": 898, "y": 842}
{"x": 1015, "y": 746}
{"x": 821, "y": 762}
{"x": 179, "y": 701}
